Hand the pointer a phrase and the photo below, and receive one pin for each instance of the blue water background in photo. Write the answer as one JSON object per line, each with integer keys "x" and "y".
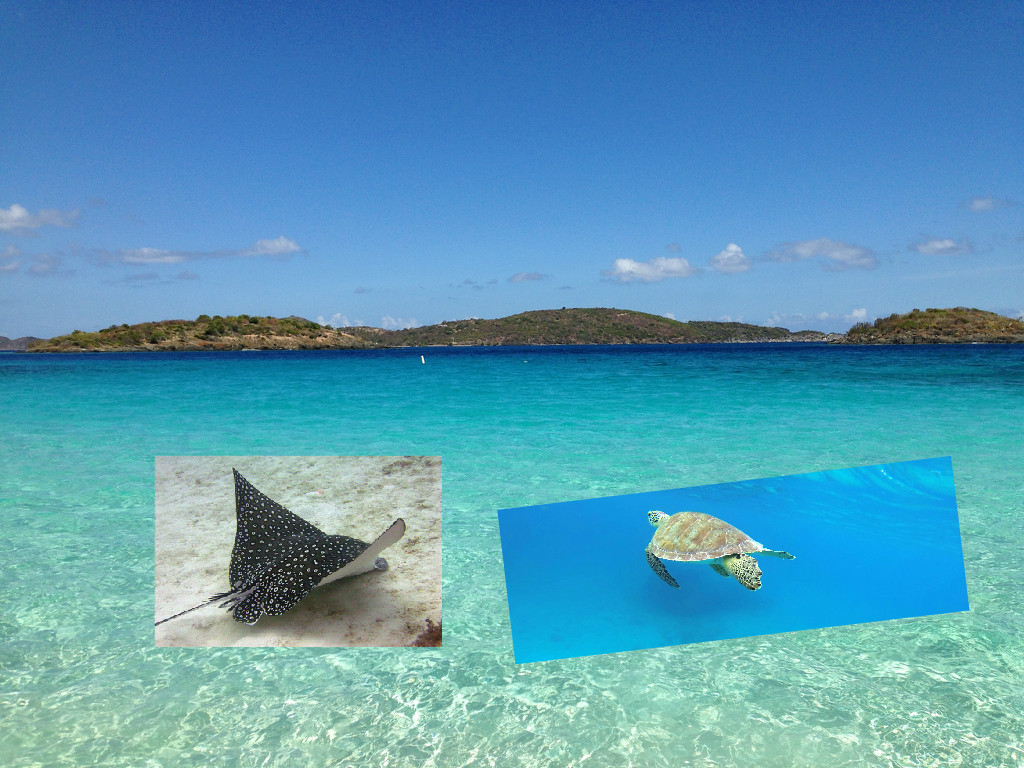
{"x": 872, "y": 543}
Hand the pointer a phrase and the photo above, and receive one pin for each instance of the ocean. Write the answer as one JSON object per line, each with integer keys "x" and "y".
{"x": 81, "y": 682}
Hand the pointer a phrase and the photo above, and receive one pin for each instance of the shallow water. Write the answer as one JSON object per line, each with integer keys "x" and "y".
{"x": 82, "y": 684}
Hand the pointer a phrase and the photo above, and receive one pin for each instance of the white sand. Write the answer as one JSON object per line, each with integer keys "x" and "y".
{"x": 357, "y": 496}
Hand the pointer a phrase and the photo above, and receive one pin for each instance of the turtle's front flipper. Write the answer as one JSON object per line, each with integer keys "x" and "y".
{"x": 720, "y": 570}
{"x": 659, "y": 568}
{"x": 745, "y": 569}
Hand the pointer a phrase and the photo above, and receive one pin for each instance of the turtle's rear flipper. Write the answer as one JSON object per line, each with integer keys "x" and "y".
{"x": 720, "y": 570}
{"x": 659, "y": 568}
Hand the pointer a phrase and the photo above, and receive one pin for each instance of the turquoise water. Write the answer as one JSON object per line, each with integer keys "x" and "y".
{"x": 871, "y": 543}
{"x": 82, "y": 684}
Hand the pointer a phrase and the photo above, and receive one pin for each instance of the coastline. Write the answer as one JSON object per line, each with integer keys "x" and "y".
{"x": 557, "y": 327}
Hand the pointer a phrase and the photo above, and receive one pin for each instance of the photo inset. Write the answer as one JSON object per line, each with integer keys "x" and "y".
{"x": 329, "y": 551}
{"x": 733, "y": 560}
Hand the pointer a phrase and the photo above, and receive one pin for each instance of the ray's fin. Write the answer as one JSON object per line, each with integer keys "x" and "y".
{"x": 367, "y": 559}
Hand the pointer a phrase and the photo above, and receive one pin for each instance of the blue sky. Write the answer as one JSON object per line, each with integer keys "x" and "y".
{"x": 800, "y": 164}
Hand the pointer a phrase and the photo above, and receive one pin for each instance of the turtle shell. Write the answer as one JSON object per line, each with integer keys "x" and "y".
{"x": 696, "y": 536}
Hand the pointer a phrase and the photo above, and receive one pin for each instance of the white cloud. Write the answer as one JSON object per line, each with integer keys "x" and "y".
{"x": 628, "y": 270}
{"x": 854, "y": 315}
{"x": 777, "y": 318}
{"x": 338, "y": 320}
{"x": 145, "y": 279}
{"x": 17, "y": 219}
{"x": 280, "y": 247}
{"x": 838, "y": 321}
{"x": 731, "y": 260}
{"x": 11, "y": 255}
{"x": 40, "y": 264}
{"x": 152, "y": 256}
{"x": 986, "y": 203}
{"x": 523, "y": 277}
{"x": 394, "y": 323}
{"x": 46, "y": 264}
{"x": 935, "y": 246}
{"x": 840, "y": 256}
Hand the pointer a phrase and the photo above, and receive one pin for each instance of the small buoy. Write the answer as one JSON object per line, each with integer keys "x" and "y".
{"x": 422, "y": 360}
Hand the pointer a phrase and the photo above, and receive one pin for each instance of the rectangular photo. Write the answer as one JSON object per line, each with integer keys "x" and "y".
{"x": 335, "y": 551}
{"x": 733, "y": 560}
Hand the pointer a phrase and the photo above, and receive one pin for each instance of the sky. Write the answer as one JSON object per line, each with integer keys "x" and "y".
{"x": 797, "y": 164}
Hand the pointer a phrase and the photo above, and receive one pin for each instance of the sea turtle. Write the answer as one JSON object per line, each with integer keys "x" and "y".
{"x": 696, "y": 537}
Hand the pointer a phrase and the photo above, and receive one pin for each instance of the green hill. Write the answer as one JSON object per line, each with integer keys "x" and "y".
{"x": 959, "y": 325}
{"x": 210, "y": 333}
{"x": 556, "y": 326}
{"x": 582, "y": 326}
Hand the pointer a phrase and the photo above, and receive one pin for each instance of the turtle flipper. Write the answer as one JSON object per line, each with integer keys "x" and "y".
{"x": 659, "y": 568}
{"x": 721, "y": 570}
{"x": 778, "y": 553}
{"x": 745, "y": 569}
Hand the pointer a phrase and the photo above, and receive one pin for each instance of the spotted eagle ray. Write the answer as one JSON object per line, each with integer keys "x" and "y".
{"x": 279, "y": 558}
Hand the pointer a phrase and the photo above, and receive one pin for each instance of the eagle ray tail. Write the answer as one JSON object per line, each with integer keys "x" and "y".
{"x": 230, "y": 600}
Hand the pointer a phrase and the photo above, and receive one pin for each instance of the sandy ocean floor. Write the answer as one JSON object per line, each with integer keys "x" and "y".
{"x": 357, "y": 496}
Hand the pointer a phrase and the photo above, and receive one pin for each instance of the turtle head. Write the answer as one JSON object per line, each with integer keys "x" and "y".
{"x": 745, "y": 569}
{"x": 656, "y": 517}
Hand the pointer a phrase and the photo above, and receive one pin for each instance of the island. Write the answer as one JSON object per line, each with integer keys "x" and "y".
{"x": 541, "y": 327}
{"x": 17, "y": 345}
{"x": 960, "y": 325}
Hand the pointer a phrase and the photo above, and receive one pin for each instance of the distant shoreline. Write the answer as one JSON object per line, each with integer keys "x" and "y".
{"x": 414, "y": 346}
{"x": 541, "y": 327}
{"x": 797, "y": 342}
{"x": 559, "y": 327}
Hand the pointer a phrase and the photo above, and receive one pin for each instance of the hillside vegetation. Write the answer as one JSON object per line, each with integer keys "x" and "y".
{"x": 557, "y": 326}
{"x": 582, "y": 326}
{"x": 209, "y": 333}
{"x": 960, "y": 325}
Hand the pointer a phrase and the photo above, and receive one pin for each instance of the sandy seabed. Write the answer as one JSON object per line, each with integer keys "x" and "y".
{"x": 357, "y": 496}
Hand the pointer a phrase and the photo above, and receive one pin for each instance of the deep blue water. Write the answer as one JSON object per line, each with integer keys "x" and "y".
{"x": 81, "y": 682}
{"x": 874, "y": 543}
